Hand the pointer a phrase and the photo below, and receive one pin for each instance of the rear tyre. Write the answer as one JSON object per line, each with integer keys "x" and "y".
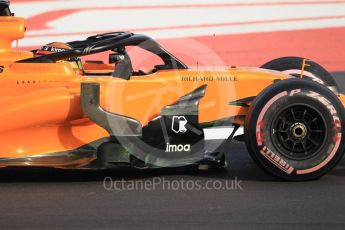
{"x": 312, "y": 71}
{"x": 294, "y": 131}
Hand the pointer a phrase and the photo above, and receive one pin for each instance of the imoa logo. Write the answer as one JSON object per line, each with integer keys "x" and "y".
{"x": 177, "y": 148}
{"x": 179, "y": 124}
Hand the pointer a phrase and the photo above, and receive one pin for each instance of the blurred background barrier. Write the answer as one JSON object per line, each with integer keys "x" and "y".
{"x": 240, "y": 32}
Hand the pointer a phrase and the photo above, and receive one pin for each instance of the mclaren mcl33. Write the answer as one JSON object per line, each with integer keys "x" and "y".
{"x": 61, "y": 112}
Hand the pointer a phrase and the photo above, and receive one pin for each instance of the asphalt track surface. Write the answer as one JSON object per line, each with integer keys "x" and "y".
{"x": 52, "y": 199}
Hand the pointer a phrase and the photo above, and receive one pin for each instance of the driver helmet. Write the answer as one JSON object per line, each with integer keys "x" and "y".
{"x": 56, "y": 47}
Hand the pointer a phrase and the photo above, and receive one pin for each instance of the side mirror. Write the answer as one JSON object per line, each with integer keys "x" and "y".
{"x": 115, "y": 58}
{"x": 5, "y": 8}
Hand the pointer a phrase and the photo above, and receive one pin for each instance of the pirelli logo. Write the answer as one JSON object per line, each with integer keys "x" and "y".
{"x": 276, "y": 160}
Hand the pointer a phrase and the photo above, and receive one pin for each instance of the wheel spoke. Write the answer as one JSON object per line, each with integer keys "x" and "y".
{"x": 293, "y": 114}
{"x": 282, "y": 131}
{"x": 293, "y": 148}
{"x": 285, "y": 140}
{"x": 312, "y": 121}
{"x": 283, "y": 120}
{"x": 304, "y": 148}
{"x": 314, "y": 142}
{"x": 316, "y": 131}
{"x": 304, "y": 113}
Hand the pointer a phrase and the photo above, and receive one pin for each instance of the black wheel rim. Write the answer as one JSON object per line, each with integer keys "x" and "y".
{"x": 298, "y": 132}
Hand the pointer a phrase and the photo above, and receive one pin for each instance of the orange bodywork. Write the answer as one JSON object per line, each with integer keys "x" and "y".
{"x": 41, "y": 112}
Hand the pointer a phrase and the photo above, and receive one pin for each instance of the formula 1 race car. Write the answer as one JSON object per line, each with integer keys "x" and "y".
{"x": 61, "y": 112}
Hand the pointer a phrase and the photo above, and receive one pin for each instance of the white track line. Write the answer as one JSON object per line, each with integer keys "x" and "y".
{"x": 178, "y": 22}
